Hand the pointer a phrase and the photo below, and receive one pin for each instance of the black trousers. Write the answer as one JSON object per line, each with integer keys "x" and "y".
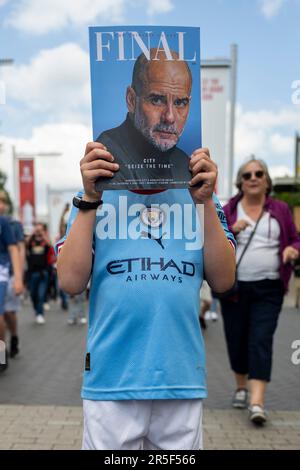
{"x": 250, "y": 324}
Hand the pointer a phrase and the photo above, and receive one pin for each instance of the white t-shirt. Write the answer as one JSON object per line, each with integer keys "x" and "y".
{"x": 261, "y": 260}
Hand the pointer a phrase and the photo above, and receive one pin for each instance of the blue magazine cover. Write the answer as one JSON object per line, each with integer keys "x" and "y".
{"x": 145, "y": 86}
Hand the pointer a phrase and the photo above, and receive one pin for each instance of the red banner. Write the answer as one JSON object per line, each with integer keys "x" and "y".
{"x": 27, "y": 194}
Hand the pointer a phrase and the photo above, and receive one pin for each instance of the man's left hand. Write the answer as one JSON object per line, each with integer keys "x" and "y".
{"x": 290, "y": 254}
{"x": 204, "y": 172}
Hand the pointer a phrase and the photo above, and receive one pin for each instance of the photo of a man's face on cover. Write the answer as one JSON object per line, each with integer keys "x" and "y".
{"x": 148, "y": 143}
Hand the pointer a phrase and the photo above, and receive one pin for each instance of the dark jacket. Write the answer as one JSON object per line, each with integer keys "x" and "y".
{"x": 288, "y": 232}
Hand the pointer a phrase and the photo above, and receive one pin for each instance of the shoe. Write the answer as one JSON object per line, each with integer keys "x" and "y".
{"x": 14, "y": 346}
{"x": 257, "y": 414}
{"x": 46, "y": 306}
{"x": 40, "y": 320}
{"x": 207, "y": 315}
{"x": 82, "y": 321}
{"x": 240, "y": 399}
{"x": 202, "y": 323}
{"x": 4, "y": 366}
{"x": 214, "y": 316}
{"x": 71, "y": 321}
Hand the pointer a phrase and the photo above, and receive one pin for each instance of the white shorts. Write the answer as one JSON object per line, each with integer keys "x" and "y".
{"x": 12, "y": 301}
{"x": 142, "y": 425}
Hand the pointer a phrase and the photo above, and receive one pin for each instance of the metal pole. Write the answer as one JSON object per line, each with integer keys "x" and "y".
{"x": 233, "y": 81}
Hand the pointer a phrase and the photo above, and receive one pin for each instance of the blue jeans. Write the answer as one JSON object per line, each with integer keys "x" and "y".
{"x": 3, "y": 288}
{"x": 38, "y": 284}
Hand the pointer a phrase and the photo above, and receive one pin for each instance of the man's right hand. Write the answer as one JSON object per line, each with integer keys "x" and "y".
{"x": 97, "y": 162}
{"x": 239, "y": 226}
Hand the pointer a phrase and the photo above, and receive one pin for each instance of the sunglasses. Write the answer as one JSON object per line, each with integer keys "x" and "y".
{"x": 258, "y": 174}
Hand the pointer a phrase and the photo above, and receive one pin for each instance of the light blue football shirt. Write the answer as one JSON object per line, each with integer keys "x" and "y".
{"x": 144, "y": 340}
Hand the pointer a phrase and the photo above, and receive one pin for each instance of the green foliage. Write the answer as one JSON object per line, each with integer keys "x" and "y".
{"x": 291, "y": 198}
{"x": 3, "y": 179}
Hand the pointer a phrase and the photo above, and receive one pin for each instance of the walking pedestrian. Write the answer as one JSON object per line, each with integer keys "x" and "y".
{"x": 38, "y": 249}
{"x": 267, "y": 244}
{"x": 8, "y": 255}
{"x": 12, "y": 300}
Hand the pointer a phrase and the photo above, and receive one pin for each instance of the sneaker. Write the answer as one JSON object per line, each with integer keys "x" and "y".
{"x": 207, "y": 315}
{"x": 214, "y": 316}
{"x": 257, "y": 414}
{"x": 240, "y": 399}
{"x": 4, "y": 366}
{"x": 14, "y": 346}
{"x": 40, "y": 320}
{"x": 71, "y": 321}
{"x": 82, "y": 321}
{"x": 46, "y": 306}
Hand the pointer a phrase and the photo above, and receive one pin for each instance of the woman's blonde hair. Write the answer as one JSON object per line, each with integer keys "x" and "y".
{"x": 241, "y": 171}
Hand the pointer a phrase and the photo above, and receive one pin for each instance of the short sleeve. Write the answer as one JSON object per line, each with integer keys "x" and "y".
{"x": 223, "y": 220}
{"x": 19, "y": 233}
{"x": 7, "y": 233}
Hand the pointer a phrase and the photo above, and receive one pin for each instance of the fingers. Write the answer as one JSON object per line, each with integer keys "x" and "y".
{"x": 96, "y": 150}
{"x": 202, "y": 150}
{"x": 93, "y": 145}
{"x": 99, "y": 164}
{"x": 201, "y": 165}
{"x": 92, "y": 175}
{"x": 208, "y": 178}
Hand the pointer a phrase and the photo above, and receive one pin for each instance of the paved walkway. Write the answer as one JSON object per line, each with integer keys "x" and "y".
{"x": 57, "y": 427}
{"x": 40, "y": 406}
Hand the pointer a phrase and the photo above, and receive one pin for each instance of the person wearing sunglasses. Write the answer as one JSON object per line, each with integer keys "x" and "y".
{"x": 267, "y": 244}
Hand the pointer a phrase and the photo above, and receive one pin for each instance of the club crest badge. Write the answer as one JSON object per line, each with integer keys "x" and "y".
{"x": 153, "y": 217}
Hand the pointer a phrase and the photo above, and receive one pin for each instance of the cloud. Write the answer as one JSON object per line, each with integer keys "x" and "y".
{"x": 268, "y": 135}
{"x": 29, "y": 16}
{"x": 55, "y": 82}
{"x": 159, "y": 6}
{"x": 62, "y": 172}
{"x": 271, "y": 8}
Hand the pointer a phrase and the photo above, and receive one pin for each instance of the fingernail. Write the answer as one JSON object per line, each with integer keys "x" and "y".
{"x": 116, "y": 165}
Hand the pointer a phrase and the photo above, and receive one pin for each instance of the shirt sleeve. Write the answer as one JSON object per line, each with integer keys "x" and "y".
{"x": 223, "y": 220}
{"x": 7, "y": 233}
{"x": 19, "y": 234}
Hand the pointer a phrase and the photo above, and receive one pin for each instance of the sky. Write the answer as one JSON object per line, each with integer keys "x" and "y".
{"x": 47, "y": 105}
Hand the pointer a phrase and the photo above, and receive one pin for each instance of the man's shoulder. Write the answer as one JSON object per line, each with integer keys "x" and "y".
{"x": 111, "y": 135}
{"x": 178, "y": 152}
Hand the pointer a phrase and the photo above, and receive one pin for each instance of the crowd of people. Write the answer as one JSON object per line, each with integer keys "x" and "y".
{"x": 28, "y": 269}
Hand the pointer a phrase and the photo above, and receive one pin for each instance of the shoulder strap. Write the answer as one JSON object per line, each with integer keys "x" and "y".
{"x": 249, "y": 239}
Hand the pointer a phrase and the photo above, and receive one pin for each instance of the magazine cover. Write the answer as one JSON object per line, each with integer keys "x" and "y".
{"x": 145, "y": 85}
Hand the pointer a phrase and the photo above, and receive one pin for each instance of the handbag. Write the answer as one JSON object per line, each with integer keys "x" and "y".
{"x": 232, "y": 293}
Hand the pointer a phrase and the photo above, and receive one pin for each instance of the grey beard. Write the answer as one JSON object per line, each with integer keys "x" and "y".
{"x": 139, "y": 124}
